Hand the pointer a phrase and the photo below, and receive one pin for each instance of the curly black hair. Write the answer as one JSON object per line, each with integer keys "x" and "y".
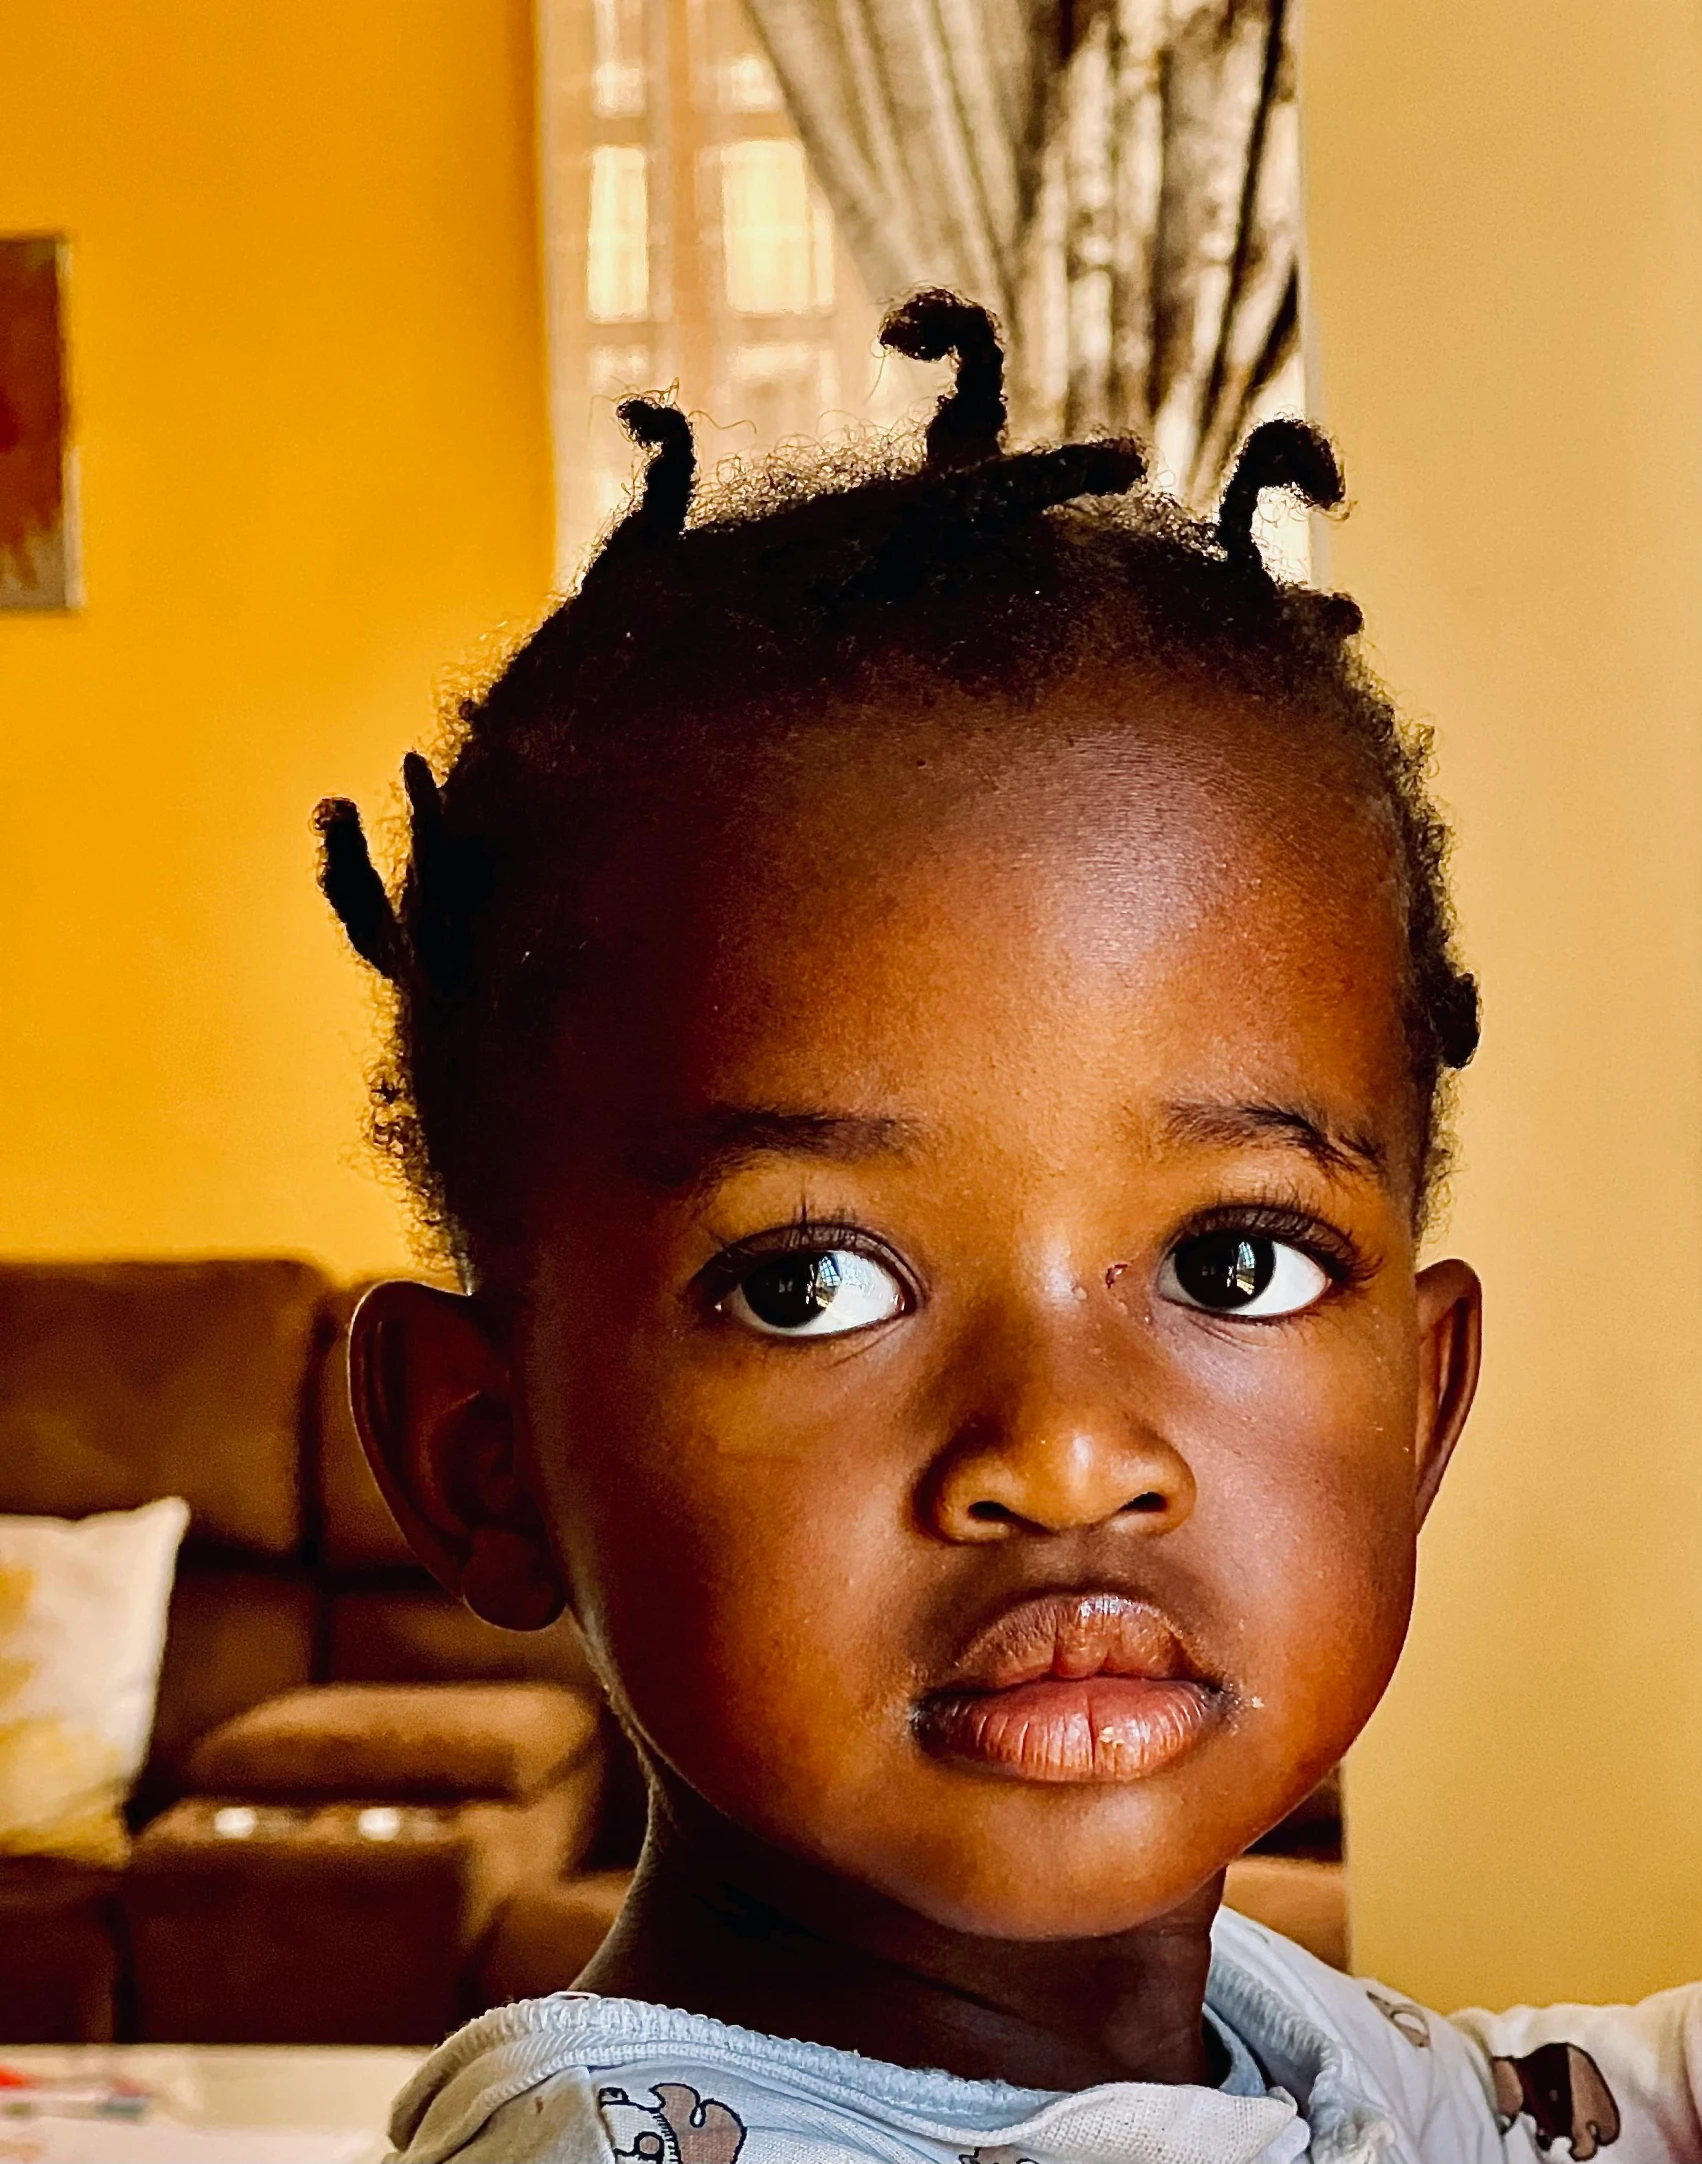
{"x": 712, "y": 623}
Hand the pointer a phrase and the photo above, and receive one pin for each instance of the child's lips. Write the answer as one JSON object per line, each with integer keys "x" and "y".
{"x": 1079, "y": 1687}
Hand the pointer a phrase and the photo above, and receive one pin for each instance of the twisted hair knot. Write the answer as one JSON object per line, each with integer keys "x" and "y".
{"x": 969, "y": 421}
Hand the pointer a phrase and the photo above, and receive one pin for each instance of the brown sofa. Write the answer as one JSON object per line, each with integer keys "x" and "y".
{"x": 352, "y": 1779}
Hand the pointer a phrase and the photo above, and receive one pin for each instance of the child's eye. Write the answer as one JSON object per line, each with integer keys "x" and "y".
{"x": 1245, "y": 1274}
{"x": 815, "y": 1292}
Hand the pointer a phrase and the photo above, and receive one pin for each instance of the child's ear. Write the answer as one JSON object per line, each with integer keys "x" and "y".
{"x": 1450, "y": 1322}
{"x": 434, "y": 1402}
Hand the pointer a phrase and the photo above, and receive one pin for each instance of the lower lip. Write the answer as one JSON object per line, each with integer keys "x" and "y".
{"x": 1103, "y": 1728}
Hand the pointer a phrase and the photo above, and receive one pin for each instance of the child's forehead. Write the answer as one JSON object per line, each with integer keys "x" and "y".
{"x": 936, "y": 911}
{"x": 1120, "y": 789}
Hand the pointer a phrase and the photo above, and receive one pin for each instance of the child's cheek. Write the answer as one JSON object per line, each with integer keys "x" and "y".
{"x": 1306, "y": 1522}
{"x": 752, "y": 1588}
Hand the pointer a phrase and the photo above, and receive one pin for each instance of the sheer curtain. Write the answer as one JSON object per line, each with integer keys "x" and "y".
{"x": 690, "y": 246}
{"x": 734, "y": 189}
{"x": 1120, "y": 180}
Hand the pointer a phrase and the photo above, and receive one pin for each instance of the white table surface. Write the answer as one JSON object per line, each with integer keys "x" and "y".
{"x": 218, "y": 2104}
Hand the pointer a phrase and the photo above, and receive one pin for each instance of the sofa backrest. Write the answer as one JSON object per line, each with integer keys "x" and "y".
{"x": 227, "y": 1383}
{"x": 120, "y": 1382}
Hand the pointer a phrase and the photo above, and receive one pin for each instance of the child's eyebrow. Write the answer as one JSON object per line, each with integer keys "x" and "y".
{"x": 1333, "y": 1149}
{"x": 696, "y": 1151}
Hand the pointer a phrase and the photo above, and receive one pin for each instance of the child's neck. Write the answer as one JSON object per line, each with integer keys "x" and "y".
{"x": 720, "y": 1924}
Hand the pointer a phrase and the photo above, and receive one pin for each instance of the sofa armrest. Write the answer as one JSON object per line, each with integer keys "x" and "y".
{"x": 426, "y": 1742}
{"x": 333, "y": 1923}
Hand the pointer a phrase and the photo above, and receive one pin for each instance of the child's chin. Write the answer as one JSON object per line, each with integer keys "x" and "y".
{"x": 1052, "y": 1907}
{"x": 1076, "y": 1881}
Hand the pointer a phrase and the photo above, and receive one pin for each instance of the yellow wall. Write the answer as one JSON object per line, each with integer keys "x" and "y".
{"x": 306, "y": 347}
{"x": 1506, "y": 231}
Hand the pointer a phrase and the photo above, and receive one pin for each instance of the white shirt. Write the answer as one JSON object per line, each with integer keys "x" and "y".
{"x": 1325, "y": 2068}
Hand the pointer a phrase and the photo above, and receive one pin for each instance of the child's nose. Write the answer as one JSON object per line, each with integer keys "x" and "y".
{"x": 1057, "y": 1458}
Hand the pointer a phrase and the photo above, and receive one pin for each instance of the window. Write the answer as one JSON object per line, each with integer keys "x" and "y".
{"x": 617, "y": 73}
{"x": 776, "y": 236}
{"x": 617, "y": 261}
{"x": 688, "y": 247}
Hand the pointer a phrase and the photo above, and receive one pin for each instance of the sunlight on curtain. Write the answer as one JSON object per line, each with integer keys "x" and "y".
{"x": 691, "y": 249}
{"x": 617, "y": 74}
{"x": 617, "y": 264}
{"x": 776, "y": 235}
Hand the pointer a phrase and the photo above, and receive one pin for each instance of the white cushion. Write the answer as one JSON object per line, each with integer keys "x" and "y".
{"x": 82, "y": 1628}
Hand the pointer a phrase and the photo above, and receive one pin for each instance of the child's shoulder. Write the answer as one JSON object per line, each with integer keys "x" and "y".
{"x": 1505, "y": 2086}
{"x": 1353, "y": 2048}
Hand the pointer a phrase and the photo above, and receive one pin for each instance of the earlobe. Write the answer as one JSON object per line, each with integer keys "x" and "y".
{"x": 433, "y": 1401}
{"x": 1450, "y": 1317}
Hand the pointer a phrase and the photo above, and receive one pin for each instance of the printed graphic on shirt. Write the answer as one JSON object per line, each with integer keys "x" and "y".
{"x": 1412, "y": 2021}
{"x": 1004, "y": 2155}
{"x": 1560, "y": 2089}
{"x": 680, "y": 2127}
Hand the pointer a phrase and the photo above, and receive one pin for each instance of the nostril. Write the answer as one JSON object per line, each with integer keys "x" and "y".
{"x": 992, "y": 1514}
{"x": 1143, "y": 1505}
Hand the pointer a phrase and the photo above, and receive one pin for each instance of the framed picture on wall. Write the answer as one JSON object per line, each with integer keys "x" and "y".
{"x": 38, "y": 556}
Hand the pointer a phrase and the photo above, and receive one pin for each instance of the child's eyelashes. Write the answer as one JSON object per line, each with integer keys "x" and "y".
{"x": 1247, "y": 1275}
{"x": 1257, "y": 1264}
{"x": 821, "y": 1295}
{"x": 807, "y": 1281}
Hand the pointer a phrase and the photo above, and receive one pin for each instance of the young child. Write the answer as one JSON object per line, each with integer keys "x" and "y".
{"x": 922, "y": 1009}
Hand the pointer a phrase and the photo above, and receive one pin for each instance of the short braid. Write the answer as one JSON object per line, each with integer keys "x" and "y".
{"x": 1019, "y": 487}
{"x": 355, "y": 891}
{"x": 670, "y": 477}
{"x": 449, "y": 881}
{"x": 969, "y": 421}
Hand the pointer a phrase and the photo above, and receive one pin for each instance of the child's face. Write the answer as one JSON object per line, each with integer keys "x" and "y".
{"x": 983, "y": 1564}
